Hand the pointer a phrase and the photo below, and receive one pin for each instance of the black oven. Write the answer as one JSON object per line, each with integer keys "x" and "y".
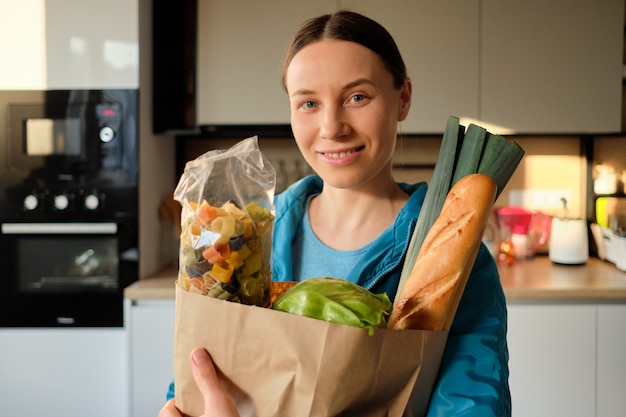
{"x": 68, "y": 206}
{"x": 65, "y": 274}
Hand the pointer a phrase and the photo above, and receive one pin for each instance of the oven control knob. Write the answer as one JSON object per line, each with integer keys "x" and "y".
{"x": 91, "y": 202}
{"x": 61, "y": 202}
{"x": 31, "y": 202}
{"x": 106, "y": 134}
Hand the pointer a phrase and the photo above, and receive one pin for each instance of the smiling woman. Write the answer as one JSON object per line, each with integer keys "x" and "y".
{"x": 348, "y": 90}
{"x": 344, "y": 115}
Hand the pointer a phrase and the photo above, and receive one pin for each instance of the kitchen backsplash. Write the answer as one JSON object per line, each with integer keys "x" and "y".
{"x": 550, "y": 164}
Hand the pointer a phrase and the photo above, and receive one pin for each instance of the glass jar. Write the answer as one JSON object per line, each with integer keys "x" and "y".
{"x": 606, "y": 180}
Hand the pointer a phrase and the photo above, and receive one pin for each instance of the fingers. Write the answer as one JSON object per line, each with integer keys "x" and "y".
{"x": 217, "y": 401}
{"x": 169, "y": 410}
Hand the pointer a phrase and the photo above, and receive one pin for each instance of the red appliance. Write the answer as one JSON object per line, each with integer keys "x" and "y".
{"x": 524, "y": 231}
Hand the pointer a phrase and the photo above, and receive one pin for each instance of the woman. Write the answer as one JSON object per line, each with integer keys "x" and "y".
{"x": 348, "y": 89}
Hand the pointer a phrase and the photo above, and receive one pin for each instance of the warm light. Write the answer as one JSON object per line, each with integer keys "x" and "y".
{"x": 43, "y": 47}
{"x": 23, "y": 53}
{"x": 490, "y": 127}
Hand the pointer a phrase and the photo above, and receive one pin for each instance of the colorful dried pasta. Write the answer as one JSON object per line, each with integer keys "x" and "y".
{"x": 225, "y": 252}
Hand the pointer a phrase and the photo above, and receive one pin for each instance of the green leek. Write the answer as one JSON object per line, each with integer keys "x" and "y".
{"x": 471, "y": 152}
{"x": 437, "y": 190}
{"x": 461, "y": 154}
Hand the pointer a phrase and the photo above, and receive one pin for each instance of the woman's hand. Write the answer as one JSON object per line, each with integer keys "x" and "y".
{"x": 217, "y": 402}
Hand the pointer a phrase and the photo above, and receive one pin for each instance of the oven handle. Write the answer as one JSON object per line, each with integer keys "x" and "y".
{"x": 106, "y": 228}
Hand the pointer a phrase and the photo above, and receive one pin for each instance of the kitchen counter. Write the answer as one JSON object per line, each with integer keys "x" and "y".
{"x": 534, "y": 280}
{"x": 541, "y": 279}
{"x": 160, "y": 286}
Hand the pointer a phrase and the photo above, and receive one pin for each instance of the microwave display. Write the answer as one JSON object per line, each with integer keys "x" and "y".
{"x": 45, "y": 137}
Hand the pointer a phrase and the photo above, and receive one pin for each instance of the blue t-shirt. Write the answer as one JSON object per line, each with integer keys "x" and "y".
{"x": 312, "y": 258}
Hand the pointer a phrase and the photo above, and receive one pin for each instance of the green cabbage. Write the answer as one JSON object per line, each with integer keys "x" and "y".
{"x": 337, "y": 301}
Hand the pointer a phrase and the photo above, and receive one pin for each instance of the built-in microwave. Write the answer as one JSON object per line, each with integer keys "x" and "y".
{"x": 70, "y": 138}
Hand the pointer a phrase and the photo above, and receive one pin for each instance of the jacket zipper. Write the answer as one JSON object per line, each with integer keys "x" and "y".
{"x": 393, "y": 266}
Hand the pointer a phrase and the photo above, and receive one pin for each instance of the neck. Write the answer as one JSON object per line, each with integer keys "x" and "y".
{"x": 347, "y": 219}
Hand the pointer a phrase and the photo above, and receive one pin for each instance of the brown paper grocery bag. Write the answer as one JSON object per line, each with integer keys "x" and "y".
{"x": 280, "y": 364}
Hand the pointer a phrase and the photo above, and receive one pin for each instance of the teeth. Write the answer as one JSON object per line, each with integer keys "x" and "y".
{"x": 339, "y": 154}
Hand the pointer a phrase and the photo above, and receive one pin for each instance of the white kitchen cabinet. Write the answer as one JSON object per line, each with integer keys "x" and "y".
{"x": 439, "y": 41}
{"x": 552, "y": 66}
{"x": 73, "y": 372}
{"x": 552, "y": 352}
{"x": 69, "y": 44}
{"x": 151, "y": 330}
{"x": 241, "y": 46}
{"x": 611, "y": 388}
{"x": 531, "y": 67}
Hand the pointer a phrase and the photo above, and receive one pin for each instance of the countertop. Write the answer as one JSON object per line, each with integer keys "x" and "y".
{"x": 160, "y": 286}
{"x": 532, "y": 280}
{"x": 541, "y": 279}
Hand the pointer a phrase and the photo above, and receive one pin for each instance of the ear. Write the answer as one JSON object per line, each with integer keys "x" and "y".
{"x": 406, "y": 92}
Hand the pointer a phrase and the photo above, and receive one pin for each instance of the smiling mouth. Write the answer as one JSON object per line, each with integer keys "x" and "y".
{"x": 342, "y": 154}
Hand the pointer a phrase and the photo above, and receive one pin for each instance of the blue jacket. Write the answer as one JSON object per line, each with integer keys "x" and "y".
{"x": 473, "y": 378}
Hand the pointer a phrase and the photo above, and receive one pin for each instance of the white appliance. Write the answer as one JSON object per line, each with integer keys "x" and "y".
{"x": 611, "y": 245}
{"x": 569, "y": 243}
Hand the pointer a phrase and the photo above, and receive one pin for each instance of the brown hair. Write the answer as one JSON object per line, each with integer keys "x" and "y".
{"x": 353, "y": 27}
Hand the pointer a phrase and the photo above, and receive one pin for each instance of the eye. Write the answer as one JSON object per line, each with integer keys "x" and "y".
{"x": 309, "y": 104}
{"x": 358, "y": 98}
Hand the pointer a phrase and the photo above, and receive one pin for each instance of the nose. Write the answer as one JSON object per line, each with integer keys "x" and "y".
{"x": 333, "y": 123}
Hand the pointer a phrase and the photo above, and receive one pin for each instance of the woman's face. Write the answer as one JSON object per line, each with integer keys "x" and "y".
{"x": 345, "y": 111}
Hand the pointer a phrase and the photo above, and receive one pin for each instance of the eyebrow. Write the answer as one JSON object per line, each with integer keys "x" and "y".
{"x": 352, "y": 84}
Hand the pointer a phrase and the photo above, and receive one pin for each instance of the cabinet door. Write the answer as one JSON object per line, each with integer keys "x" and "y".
{"x": 552, "y": 360}
{"x": 151, "y": 325}
{"x": 439, "y": 43}
{"x": 61, "y": 44}
{"x": 611, "y": 360}
{"x": 241, "y": 46}
{"x": 552, "y": 66}
{"x": 65, "y": 372}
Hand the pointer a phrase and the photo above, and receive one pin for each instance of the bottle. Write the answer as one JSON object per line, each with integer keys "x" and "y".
{"x": 506, "y": 253}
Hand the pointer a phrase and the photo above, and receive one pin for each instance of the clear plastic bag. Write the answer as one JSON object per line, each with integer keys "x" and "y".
{"x": 227, "y": 224}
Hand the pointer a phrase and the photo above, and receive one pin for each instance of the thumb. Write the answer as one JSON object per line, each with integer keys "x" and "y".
{"x": 217, "y": 401}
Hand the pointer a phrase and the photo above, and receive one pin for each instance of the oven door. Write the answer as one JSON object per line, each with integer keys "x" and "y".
{"x": 65, "y": 274}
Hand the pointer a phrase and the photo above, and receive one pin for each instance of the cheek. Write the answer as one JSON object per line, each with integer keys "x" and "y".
{"x": 302, "y": 128}
{"x": 382, "y": 123}
{"x": 301, "y": 137}
{"x": 306, "y": 150}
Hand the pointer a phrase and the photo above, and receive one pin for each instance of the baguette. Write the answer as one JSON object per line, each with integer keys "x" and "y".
{"x": 431, "y": 294}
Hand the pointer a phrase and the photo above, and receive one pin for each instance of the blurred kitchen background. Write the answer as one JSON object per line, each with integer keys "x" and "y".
{"x": 206, "y": 74}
